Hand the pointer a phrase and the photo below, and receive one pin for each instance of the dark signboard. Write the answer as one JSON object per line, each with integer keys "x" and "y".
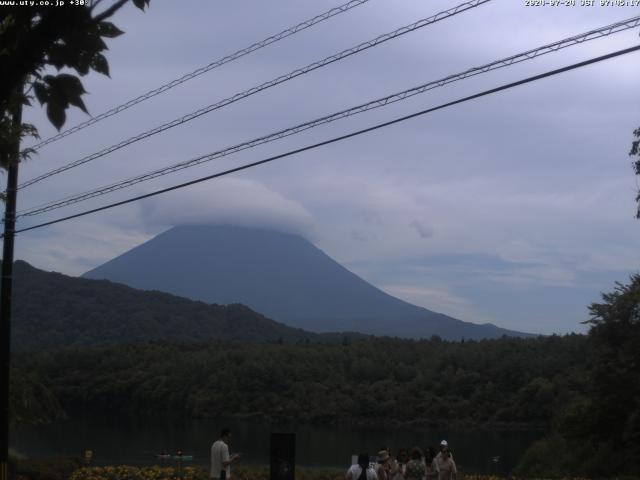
{"x": 283, "y": 456}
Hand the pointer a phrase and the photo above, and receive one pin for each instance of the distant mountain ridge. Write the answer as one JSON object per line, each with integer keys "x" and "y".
{"x": 282, "y": 276}
{"x": 51, "y": 310}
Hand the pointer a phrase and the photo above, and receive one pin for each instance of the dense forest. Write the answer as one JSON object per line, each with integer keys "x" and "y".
{"x": 506, "y": 383}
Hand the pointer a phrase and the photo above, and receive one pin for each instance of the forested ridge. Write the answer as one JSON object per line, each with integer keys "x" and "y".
{"x": 506, "y": 383}
{"x": 52, "y": 310}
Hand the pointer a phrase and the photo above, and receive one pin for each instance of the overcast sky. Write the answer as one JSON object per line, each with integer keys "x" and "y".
{"x": 516, "y": 209}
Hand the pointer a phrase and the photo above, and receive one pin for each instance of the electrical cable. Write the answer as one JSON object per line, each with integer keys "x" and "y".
{"x": 207, "y": 68}
{"x": 380, "y": 102}
{"x": 281, "y": 79}
{"x": 339, "y": 138}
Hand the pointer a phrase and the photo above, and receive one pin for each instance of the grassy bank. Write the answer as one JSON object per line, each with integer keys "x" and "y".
{"x": 70, "y": 469}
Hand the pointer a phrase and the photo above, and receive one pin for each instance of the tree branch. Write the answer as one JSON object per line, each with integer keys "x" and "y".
{"x": 94, "y": 4}
{"x": 110, "y": 11}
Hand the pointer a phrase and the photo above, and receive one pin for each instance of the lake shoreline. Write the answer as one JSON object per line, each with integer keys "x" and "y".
{"x": 137, "y": 440}
{"x": 364, "y": 423}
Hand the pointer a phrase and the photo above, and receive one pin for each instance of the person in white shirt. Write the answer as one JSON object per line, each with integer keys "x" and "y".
{"x": 220, "y": 459}
{"x": 445, "y": 465}
{"x": 361, "y": 470}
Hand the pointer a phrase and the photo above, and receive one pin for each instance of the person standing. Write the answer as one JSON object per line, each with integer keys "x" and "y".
{"x": 415, "y": 469}
{"x": 444, "y": 463}
{"x": 384, "y": 464}
{"x": 430, "y": 463}
{"x": 220, "y": 459}
{"x": 361, "y": 470}
{"x": 401, "y": 463}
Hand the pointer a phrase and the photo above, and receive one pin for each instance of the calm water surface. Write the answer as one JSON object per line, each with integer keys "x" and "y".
{"x": 136, "y": 441}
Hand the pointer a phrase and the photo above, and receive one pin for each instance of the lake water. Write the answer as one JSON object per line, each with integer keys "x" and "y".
{"x": 136, "y": 441}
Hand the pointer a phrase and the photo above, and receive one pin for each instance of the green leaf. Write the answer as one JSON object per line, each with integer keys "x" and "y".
{"x": 41, "y": 92}
{"x": 141, "y": 3}
{"x": 109, "y": 30}
{"x": 78, "y": 102}
{"x": 29, "y": 130}
{"x": 63, "y": 90}
{"x": 99, "y": 64}
{"x": 69, "y": 85}
{"x": 71, "y": 90}
{"x": 56, "y": 114}
{"x": 57, "y": 56}
{"x": 83, "y": 63}
{"x": 50, "y": 79}
{"x": 97, "y": 44}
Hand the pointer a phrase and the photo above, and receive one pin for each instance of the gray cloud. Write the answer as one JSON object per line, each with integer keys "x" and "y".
{"x": 425, "y": 231}
{"x": 537, "y": 175}
{"x": 231, "y": 201}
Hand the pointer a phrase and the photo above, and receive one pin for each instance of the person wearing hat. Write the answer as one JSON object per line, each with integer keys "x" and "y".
{"x": 444, "y": 446}
{"x": 445, "y": 465}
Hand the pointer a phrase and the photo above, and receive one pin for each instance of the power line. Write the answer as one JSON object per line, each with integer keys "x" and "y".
{"x": 281, "y": 79}
{"x": 207, "y": 68}
{"x": 380, "y": 102}
{"x": 340, "y": 138}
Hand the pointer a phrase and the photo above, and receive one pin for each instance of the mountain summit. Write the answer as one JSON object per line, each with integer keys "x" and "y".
{"x": 282, "y": 276}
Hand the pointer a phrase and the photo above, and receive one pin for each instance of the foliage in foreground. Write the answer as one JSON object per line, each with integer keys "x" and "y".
{"x": 70, "y": 469}
{"x": 599, "y": 434}
{"x": 38, "y": 38}
{"x": 53, "y": 468}
{"x": 123, "y": 472}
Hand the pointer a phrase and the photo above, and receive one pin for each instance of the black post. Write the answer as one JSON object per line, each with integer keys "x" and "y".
{"x": 283, "y": 456}
{"x": 5, "y": 291}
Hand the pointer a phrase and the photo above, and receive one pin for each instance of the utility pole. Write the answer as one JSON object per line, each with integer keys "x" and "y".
{"x": 6, "y": 284}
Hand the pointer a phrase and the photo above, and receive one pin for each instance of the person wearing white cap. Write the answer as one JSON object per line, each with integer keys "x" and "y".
{"x": 444, "y": 463}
